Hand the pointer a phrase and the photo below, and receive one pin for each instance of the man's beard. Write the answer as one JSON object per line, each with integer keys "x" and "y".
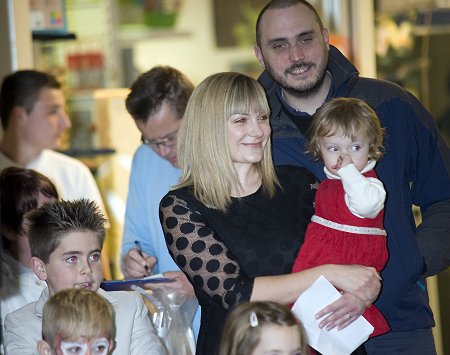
{"x": 303, "y": 90}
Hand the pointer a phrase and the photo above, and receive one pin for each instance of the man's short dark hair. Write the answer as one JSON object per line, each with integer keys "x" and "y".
{"x": 22, "y": 88}
{"x": 156, "y": 86}
{"x": 50, "y": 223}
{"x": 283, "y": 4}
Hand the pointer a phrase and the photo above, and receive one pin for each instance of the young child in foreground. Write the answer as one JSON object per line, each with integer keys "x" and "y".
{"x": 66, "y": 239}
{"x": 347, "y": 227}
{"x": 77, "y": 322}
{"x": 257, "y": 328}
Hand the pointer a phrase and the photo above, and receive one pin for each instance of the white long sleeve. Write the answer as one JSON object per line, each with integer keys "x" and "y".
{"x": 364, "y": 196}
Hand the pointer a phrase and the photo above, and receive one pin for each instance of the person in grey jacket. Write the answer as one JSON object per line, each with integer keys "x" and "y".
{"x": 66, "y": 239}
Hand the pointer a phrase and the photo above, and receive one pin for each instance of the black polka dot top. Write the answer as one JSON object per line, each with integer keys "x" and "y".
{"x": 221, "y": 253}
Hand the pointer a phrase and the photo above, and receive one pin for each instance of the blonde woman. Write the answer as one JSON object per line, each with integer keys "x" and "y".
{"x": 234, "y": 223}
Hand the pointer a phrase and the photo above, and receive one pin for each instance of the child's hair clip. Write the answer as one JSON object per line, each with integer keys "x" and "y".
{"x": 253, "y": 320}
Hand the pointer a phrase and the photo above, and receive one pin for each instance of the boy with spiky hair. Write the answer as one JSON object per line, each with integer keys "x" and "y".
{"x": 66, "y": 239}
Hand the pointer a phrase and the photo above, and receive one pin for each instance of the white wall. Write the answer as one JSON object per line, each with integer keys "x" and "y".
{"x": 15, "y": 37}
{"x": 195, "y": 53}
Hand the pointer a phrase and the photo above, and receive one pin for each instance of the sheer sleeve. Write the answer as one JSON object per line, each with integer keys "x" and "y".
{"x": 201, "y": 254}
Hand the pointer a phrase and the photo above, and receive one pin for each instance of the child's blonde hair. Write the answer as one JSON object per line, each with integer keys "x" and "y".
{"x": 347, "y": 116}
{"x": 242, "y": 330}
{"x": 75, "y": 313}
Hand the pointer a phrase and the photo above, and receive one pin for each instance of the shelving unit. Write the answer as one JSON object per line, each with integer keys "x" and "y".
{"x": 42, "y": 36}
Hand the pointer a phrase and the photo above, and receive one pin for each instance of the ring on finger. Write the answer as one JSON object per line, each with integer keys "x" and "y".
{"x": 348, "y": 316}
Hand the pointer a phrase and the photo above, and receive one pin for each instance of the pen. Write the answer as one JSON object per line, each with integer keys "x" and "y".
{"x": 139, "y": 249}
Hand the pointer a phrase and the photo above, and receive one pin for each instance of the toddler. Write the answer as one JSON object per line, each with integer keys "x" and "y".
{"x": 347, "y": 227}
{"x": 257, "y": 328}
{"x": 77, "y": 322}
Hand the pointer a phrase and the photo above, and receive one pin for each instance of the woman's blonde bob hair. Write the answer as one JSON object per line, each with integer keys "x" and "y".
{"x": 203, "y": 151}
{"x": 350, "y": 117}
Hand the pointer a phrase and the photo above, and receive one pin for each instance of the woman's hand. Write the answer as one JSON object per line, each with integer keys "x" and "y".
{"x": 180, "y": 285}
{"x": 361, "y": 281}
{"x": 341, "y": 312}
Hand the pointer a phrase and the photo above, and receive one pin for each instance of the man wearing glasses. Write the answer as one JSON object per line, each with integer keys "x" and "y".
{"x": 157, "y": 102}
{"x": 164, "y": 147}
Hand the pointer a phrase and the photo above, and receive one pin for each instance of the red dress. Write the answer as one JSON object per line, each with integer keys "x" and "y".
{"x": 327, "y": 245}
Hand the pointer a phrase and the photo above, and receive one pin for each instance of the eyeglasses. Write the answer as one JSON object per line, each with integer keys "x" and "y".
{"x": 169, "y": 141}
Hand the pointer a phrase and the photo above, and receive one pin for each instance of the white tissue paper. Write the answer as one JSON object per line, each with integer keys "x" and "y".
{"x": 332, "y": 342}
